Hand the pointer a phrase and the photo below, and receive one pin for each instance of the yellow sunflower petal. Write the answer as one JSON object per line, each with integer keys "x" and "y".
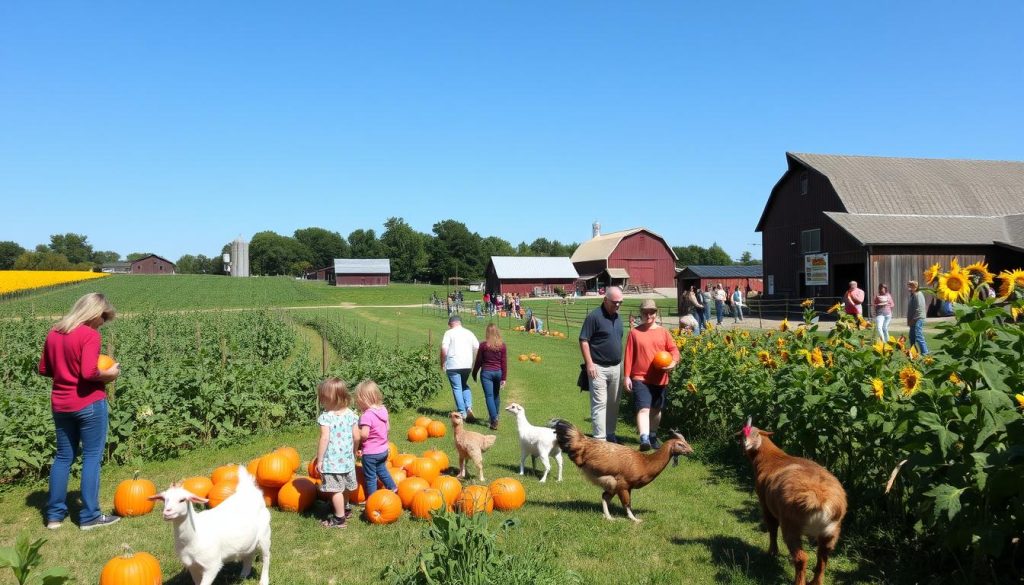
{"x": 954, "y": 286}
{"x": 932, "y": 273}
{"x": 980, "y": 269}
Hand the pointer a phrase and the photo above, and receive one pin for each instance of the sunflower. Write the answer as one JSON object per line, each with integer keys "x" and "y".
{"x": 745, "y": 334}
{"x": 807, "y": 304}
{"x": 1020, "y": 400}
{"x": 955, "y": 285}
{"x": 863, "y": 323}
{"x": 815, "y": 358}
{"x": 902, "y": 342}
{"x": 834, "y": 308}
{"x": 800, "y": 332}
{"x": 728, "y": 339}
{"x": 877, "y": 388}
{"x": 928, "y": 360}
{"x": 1012, "y": 279}
{"x": 691, "y": 387}
{"x": 784, "y": 355}
{"x": 910, "y": 379}
{"x": 780, "y": 342}
{"x": 931, "y": 273}
{"x": 881, "y": 348}
{"x": 913, "y": 353}
{"x": 955, "y": 379}
{"x": 784, "y": 326}
{"x": 980, "y": 269}
{"x": 1015, "y": 313}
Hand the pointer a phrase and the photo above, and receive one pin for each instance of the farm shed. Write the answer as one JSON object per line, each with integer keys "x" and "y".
{"x": 635, "y": 256}
{"x": 526, "y": 275}
{"x": 748, "y": 278}
{"x": 152, "y": 264}
{"x": 885, "y": 220}
{"x": 116, "y": 268}
{"x": 362, "y": 271}
{"x": 326, "y": 273}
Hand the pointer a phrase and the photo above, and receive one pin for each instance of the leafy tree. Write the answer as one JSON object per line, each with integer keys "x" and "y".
{"x": 324, "y": 245}
{"x": 694, "y": 255}
{"x": 747, "y": 259}
{"x": 74, "y": 247}
{"x": 105, "y": 257}
{"x": 494, "y": 246}
{"x": 189, "y": 264}
{"x": 454, "y": 250}
{"x": 364, "y": 244}
{"x": 406, "y": 248}
{"x": 271, "y": 253}
{"x": 9, "y": 252}
{"x": 718, "y": 256}
{"x": 45, "y": 260}
{"x": 136, "y": 255}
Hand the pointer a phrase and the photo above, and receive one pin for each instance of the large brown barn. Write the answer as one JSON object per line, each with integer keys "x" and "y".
{"x": 636, "y": 256}
{"x": 362, "y": 271}
{"x": 152, "y": 264}
{"x": 885, "y": 220}
{"x": 529, "y": 275}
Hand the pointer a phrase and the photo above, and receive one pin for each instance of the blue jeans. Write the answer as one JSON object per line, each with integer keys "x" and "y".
{"x": 85, "y": 432}
{"x": 491, "y": 381}
{"x": 917, "y": 336}
{"x": 375, "y": 466}
{"x": 719, "y": 311}
{"x": 698, "y": 314}
{"x": 459, "y": 380}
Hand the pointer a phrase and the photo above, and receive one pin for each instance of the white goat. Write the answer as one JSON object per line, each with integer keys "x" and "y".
{"x": 230, "y": 532}
{"x": 535, "y": 442}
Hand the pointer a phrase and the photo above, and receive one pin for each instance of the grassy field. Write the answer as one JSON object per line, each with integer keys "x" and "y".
{"x": 701, "y": 521}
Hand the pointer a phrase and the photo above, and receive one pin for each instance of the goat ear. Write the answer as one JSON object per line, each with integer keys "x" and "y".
{"x": 766, "y": 433}
{"x": 196, "y": 499}
{"x": 159, "y": 496}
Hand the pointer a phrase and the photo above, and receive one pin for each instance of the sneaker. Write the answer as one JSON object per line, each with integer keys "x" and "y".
{"x": 333, "y": 521}
{"x": 469, "y": 415}
{"x": 645, "y": 446}
{"x": 100, "y": 521}
{"x": 54, "y": 524}
{"x": 655, "y": 443}
{"x": 494, "y": 425}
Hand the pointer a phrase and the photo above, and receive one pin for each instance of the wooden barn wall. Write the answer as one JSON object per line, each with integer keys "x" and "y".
{"x": 362, "y": 279}
{"x": 525, "y": 287}
{"x": 789, "y": 215}
{"x": 895, "y": 266}
{"x": 648, "y": 260}
{"x": 152, "y": 266}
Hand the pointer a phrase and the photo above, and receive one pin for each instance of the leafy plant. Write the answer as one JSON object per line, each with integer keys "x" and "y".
{"x": 24, "y": 557}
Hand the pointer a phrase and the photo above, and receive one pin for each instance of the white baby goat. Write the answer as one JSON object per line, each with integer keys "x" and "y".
{"x": 230, "y": 532}
{"x": 535, "y": 442}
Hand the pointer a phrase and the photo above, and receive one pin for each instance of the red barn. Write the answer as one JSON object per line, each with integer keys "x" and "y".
{"x": 362, "y": 272}
{"x": 529, "y": 275}
{"x": 152, "y": 264}
{"x": 637, "y": 256}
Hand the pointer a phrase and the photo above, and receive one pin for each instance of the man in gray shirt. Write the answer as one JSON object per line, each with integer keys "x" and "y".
{"x": 915, "y": 317}
{"x": 601, "y": 346}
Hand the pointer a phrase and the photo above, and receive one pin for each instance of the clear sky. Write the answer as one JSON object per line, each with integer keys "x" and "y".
{"x": 174, "y": 127}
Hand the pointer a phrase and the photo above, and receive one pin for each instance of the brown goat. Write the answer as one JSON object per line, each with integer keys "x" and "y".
{"x": 800, "y": 496}
{"x": 470, "y": 445}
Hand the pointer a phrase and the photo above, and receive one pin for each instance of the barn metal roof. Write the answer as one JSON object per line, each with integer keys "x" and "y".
{"x": 922, "y": 229}
{"x": 618, "y": 273}
{"x": 531, "y": 267}
{"x": 709, "y": 271}
{"x": 601, "y": 247}
{"x": 362, "y": 266}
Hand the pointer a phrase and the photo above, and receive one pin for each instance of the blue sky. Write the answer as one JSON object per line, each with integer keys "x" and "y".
{"x": 174, "y": 127}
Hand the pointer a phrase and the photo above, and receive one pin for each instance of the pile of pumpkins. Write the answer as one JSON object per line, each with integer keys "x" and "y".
{"x": 532, "y": 357}
{"x": 425, "y": 427}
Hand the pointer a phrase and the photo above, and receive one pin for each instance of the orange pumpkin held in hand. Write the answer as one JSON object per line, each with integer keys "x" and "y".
{"x": 132, "y": 567}
{"x": 311, "y": 470}
{"x": 662, "y": 360}
{"x": 104, "y": 362}
{"x": 383, "y": 507}
{"x": 417, "y": 434}
{"x": 132, "y": 497}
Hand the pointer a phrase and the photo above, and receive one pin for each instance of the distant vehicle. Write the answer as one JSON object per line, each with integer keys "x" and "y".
{"x": 476, "y": 287}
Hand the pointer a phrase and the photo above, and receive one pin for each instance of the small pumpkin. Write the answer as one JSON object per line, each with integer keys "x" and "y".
{"x": 220, "y": 492}
{"x": 424, "y": 467}
{"x": 662, "y": 360}
{"x": 270, "y": 495}
{"x": 253, "y": 466}
{"x": 523, "y": 357}
{"x": 297, "y": 495}
{"x": 417, "y": 434}
{"x": 132, "y": 496}
{"x": 224, "y": 473}
{"x": 311, "y": 470}
{"x": 422, "y": 421}
{"x": 408, "y": 489}
{"x": 508, "y": 493}
{"x": 402, "y": 459}
{"x": 293, "y": 456}
{"x": 475, "y": 498}
{"x": 439, "y": 456}
{"x": 425, "y": 503}
{"x": 274, "y": 470}
{"x": 104, "y": 362}
{"x": 131, "y": 568}
{"x": 199, "y": 485}
{"x": 450, "y": 488}
{"x": 383, "y": 507}
{"x": 392, "y": 450}
{"x": 436, "y": 429}
{"x": 536, "y": 359}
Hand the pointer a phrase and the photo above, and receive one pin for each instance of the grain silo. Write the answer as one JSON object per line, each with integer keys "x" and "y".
{"x": 239, "y": 257}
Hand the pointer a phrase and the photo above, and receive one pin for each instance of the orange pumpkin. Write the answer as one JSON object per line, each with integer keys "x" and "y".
{"x": 397, "y": 475}
{"x": 220, "y": 492}
{"x": 417, "y": 434}
{"x": 297, "y": 495}
{"x": 436, "y": 429}
{"x": 358, "y": 495}
{"x": 253, "y": 466}
{"x": 224, "y": 473}
{"x": 662, "y": 360}
{"x": 104, "y": 362}
{"x": 131, "y": 568}
{"x": 536, "y": 359}
{"x": 450, "y": 488}
{"x": 402, "y": 459}
{"x": 392, "y": 450}
{"x": 408, "y": 489}
{"x": 132, "y": 496}
{"x": 475, "y": 498}
{"x": 293, "y": 457}
{"x": 424, "y": 467}
{"x": 383, "y": 507}
{"x": 199, "y": 485}
{"x": 422, "y": 421}
{"x": 440, "y": 457}
{"x": 270, "y": 495}
{"x": 508, "y": 493}
{"x": 523, "y": 357}
{"x": 274, "y": 470}
{"x": 426, "y": 503}
{"x": 311, "y": 470}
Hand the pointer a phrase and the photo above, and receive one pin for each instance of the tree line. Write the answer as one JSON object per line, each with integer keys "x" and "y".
{"x": 450, "y": 249}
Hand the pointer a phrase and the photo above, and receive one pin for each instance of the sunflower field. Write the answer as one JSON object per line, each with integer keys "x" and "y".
{"x": 934, "y": 443}
{"x": 16, "y": 281}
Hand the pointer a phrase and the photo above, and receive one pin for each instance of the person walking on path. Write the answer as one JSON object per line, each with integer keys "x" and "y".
{"x": 883, "y": 305}
{"x": 78, "y": 401}
{"x": 601, "y": 346}
{"x": 737, "y": 304}
{"x": 646, "y": 381}
{"x": 853, "y": 300}
{"x": 915, "y": 317}
{"x": 693, "y": 298}
{"x": 458, "y": 352}
{"x": 492, "y": 359}
{"x": 720, "y": 297}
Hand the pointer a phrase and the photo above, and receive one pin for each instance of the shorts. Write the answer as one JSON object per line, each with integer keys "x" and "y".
{"x": 648, "y": 395}
{"x": 339, "y": 482}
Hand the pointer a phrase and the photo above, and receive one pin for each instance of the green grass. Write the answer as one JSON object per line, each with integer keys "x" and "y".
{"x": 700, "y": 519}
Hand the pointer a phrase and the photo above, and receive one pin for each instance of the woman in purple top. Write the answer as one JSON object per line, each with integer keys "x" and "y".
{"x": 883, "y": 305}
{"x": 373, "y": 430}
{"x": 493, "y": 360}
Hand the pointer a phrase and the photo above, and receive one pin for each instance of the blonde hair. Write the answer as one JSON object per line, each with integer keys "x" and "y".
{"x": 493, "y": 337}
{"x": 86, "y": 309}
{"x": 368, "y": 394}
{"x": 333, "y": 394}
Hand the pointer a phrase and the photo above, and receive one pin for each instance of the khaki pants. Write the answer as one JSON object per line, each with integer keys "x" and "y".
{"x": 605, "y": 391}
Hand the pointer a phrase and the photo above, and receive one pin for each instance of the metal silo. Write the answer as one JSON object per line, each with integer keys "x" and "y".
{"x": 239, "y": 257}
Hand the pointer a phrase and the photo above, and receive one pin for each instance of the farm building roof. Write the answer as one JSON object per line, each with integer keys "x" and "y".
{"x": 362, "y": 266}
{"x": 618, "y": 273}
{"x": 532, "y": 267}
{"x": 601, "y": 247}
{"x": 707, "y": 271}
{"x": 147, "y": 256}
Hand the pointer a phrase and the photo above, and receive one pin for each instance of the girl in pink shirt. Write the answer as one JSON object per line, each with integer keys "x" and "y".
{"x": 373, "y": 431}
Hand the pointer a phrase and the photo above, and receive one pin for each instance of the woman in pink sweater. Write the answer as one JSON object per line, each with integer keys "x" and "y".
{"x": 79, "y": 404}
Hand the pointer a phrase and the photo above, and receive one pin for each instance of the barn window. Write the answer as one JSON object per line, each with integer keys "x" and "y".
{"x": 805, "y": 183}
{"x": 810, "y": 241}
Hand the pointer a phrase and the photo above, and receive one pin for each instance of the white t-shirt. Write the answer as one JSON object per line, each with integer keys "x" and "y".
{"x": 459, "y": 344}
